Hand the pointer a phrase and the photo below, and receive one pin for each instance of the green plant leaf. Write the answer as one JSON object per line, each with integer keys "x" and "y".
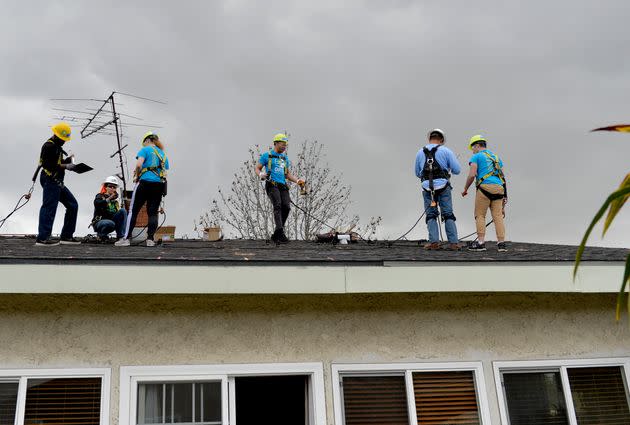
{"x": 622, "y": 291}
{"x": 616, "y": 194}
{"x": 616, "y": 205}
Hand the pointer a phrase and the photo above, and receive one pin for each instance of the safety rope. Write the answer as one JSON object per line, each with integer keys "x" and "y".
{"x": 26, "y": 197}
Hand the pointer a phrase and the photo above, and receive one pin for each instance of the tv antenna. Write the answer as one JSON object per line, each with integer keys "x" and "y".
{"x": 106, "y": 121}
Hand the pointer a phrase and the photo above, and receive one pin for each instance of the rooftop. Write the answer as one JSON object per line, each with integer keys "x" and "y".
{"x": 188, "y": 251}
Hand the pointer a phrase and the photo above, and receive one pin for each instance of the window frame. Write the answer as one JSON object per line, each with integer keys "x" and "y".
{"x": 340, "y": 370}
{"x": 23, "y": 375}
{"x": 560, "y": 365}
{"x": 130, "y": 376}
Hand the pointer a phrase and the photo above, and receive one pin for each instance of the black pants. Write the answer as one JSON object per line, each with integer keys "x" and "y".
{"x": 151, "y": 193}
{"x": 281, "y": 201}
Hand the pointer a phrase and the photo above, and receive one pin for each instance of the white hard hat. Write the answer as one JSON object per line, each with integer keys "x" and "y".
{"x": 436, "y": 130}
{"x": 111, "y": 180}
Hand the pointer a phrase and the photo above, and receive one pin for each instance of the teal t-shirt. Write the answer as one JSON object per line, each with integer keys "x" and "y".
{"x": 484, "y": 166}
{"x": 151, "y": 160}
{"x": 279, "y": 163}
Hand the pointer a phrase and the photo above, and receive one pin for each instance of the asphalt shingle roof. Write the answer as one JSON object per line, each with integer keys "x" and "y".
{"x": 22, "y": 250}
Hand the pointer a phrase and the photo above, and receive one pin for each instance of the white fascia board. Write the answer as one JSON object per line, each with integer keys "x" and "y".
{"x": 321, "y": 279}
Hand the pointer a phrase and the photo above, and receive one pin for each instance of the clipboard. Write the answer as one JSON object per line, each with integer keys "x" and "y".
{"x": 82, "y": 168}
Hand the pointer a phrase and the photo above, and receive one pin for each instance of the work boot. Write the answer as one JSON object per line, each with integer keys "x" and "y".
{"x": 453, "y": 247}
{"x": 282, "y": 238}
{"x": 476, "y": 246}
{"x": 70, "y": 241}
{"x": 274, "y": 236}
{"x": 46, "y": 242}
{"x": 432, "y": 246}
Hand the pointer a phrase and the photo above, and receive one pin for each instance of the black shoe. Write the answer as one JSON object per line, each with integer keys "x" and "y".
{"x": 501, "y": 247}
{"x": 282, "y": 238}
{"x": 274, "y": 236}
{"x": 47, "y": 242}
{"x": 476, "y": 246}
{"x": 70, "y": 241}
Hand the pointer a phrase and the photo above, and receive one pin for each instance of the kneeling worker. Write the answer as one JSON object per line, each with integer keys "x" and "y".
{"x": 487, "y": 170}
{"x": 276, "y": 174}
{"x": 108, "y": 216}
{"x": 434, "y": 163}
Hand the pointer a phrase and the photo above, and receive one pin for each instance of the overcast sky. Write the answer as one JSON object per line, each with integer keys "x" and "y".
{"x": 367, "y": 79}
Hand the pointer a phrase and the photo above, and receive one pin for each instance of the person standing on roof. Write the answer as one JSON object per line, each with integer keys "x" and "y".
{"x": 150, "y": 178}
{"x": 486, "y": 170}
{"x": 108, "y": 214}
{"x": 276, "y": 173}
{"x": 53, "y": 168}
{"x": 434, "y": 163}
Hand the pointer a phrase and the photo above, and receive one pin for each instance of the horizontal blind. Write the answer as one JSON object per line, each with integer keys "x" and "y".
{"x": 63, "y": 401}
{"x": 373, "y": 400}
{"x": 8, "y": 402}
{"x": 535, "y": 398}
{"x": 445, "y": 398}
{"x": 599, "y": 395}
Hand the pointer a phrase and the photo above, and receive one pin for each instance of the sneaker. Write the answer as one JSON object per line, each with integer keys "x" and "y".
{"x": 274, "y": 236}
{"x": 122, "y": 242}
{"x": 476, "y": 246}
{"x": 432, "y": 246}
{"x": 47, "y": 242}
{"x": 501, "y": 247}
{"x": 150, "y": 243}
{"x": 70, "y": 241}
{"x": 282, "y": 238}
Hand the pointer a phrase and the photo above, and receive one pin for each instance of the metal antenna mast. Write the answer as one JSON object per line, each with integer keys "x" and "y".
{"x": 100, "y": 121}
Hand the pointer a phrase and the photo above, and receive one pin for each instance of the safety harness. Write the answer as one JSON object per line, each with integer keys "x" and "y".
{"x": 433, "y": 170}
{"x": 272, "y": 155}
{"x": 496, "y": 171}
{"x": 51, "y": 173}
{"x": 158, "y": 170}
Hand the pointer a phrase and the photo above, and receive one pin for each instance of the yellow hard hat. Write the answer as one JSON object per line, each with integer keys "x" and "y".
{"x": 475, "y": 139}
{"x": 281, "y": 137}
{"x": 148, "y": 134}
{"x": 62, "y": 130}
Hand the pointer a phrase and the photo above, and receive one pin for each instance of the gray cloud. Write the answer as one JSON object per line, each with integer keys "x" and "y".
{"x": 366, "y": 78}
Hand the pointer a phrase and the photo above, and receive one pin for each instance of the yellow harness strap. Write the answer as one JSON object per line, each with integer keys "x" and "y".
{"x": 160, "y": 167}
{"x": 41, "y": 161}
{"x": 272, "y": 155}
{"x": 496, "y": 169}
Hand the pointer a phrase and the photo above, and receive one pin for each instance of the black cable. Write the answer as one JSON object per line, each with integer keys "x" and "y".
{"x": 475, "y": 232}
{"x": 19, "y": 205}
{"x": 412, "y": 227}
{"x": 313, "y": 217}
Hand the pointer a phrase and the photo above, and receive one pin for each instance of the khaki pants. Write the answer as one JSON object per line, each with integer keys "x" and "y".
{"x": 482, "y": 203}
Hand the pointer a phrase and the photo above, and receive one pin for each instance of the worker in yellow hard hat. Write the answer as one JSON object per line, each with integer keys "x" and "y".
{"x": 486, "y": 170}
{"x": 276, "y": 174}
{"x": 54, "y": 162}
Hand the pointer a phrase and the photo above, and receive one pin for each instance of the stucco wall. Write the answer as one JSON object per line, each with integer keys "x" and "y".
{"x": 112, "y": 330}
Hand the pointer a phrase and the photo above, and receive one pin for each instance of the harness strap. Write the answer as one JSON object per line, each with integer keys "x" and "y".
{"x": 496, "y": 170}
{"x": 49, "y": 173}
{"x": 274, "y": 155}
{"x": 154, "y": 169}
{"x": 492, "y": 196}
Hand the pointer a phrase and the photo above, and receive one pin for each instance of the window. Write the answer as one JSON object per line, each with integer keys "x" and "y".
{"x": 414, "y": 394}
{"x": 284, "y": 393}
{"x": 571, "y": 392}
{"x": 70, "y": 397}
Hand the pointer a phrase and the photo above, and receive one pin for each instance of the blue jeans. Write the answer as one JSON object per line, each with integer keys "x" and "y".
{"x": 53, "y": 194}
{"x": 445, "y": 202}
{"x": 104, "y": 227}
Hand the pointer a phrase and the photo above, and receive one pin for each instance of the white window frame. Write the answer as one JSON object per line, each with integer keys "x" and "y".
{"x": 130, "y": 376}
{"x": 23, "y": 375}
{"x": 560, "y": 365}
{"x": 340, "y": 370}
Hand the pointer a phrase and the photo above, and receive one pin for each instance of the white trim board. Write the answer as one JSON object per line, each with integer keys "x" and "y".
{"x": 131, "y": 375}
{"x": 406, "y": 369}
{"x": 22, "y": 375}
{"x": 421, "y": 277}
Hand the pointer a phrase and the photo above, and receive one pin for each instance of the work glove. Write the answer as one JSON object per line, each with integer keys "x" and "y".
{"x": 263, "y": 175}
{"x": 70, "y": 166}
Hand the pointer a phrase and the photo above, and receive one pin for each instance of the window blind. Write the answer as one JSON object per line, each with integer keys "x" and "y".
{"x": 8, "y": 402}
{"x": 599, "y": 395}
{"x": 373, "y": 400}
{"x": 535, "y": 398}
{"x": 445, "y": 398}
{"x": 63, "y": 401}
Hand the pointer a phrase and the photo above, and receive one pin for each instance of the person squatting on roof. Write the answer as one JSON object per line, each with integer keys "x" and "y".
{"x": 108, "y": 215}
{"x": 276, "y": 164}
{"x": 53, "y": 168}
{"x": 434, "y": 163}
{"x": 486, "y": 169}
{"x": 150, "y": 178}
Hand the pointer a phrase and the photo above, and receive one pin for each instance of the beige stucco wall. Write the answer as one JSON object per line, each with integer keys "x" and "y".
{"x": 114, "y": 330}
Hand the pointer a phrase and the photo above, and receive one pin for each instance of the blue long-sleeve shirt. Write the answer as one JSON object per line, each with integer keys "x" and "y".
{"x": 447, "y": 160}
